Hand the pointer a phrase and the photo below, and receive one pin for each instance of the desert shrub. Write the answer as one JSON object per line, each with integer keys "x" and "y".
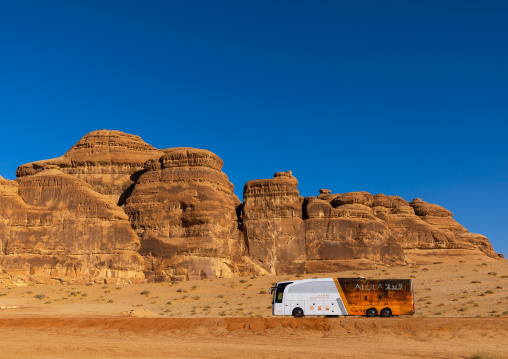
{"x": 482, "y": 356}
{"x": 475, "y": 282}
{"x": 3, "y": 294}
{"x": 145, "y": 292}
{"x": 492, "y": 273}
{"x": 84, "y": 295}
{"x": 194, "y": 287}
{"x": 40, "y": 296}
{"x": 179, "y": 290}
{"x": 489, "y": 291}
{"x": 253, "y": 277}
{"x": 243, "y": 281}
{"x": 197, "y": 297}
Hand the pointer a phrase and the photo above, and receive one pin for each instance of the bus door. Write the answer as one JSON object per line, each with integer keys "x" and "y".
{"x": 279, "y": 305}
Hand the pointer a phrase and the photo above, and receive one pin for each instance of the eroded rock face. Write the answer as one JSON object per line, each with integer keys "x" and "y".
{"x": 110, "y": 161}
{"x": 55, "y": 225}
{"x": 272, "y": 223}
{"x": 115, "y": 207}
{"x": 349, "y": 230}
{"x": 185, "y": 213}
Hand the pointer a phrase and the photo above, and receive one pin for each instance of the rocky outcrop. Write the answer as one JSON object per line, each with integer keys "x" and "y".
{"x": 115, "y": 207}
{"x": 54, "y": 225}
{"x": 110, "y": 161}
{"x": 349, "y": 230}
{"x": 185, "y": 213}
{"x": 273, "y": 225}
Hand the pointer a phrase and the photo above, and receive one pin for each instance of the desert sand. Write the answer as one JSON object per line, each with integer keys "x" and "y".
{"x": 461, "y": 310}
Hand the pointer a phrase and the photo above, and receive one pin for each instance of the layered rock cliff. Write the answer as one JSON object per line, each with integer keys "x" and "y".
{"x": 286, "y": 233}
{"x": 114, "y": 207}
{"x": 185, "y": 213}
{"x": 110, "y": 161}
{"x": 54, "y": 225}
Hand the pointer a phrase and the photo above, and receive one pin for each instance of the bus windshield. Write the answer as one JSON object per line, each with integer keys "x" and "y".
{"x": 278, "y": 293}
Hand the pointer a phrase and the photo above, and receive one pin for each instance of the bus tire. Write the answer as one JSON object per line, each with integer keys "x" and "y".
{"x": 298, "y": 312}
{"x": 371, "y": 312}
{"x": 385, "y": 312}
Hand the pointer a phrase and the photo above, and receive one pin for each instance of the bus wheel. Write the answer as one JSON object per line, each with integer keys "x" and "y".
{"x": 371, "y": 312}
{"x": 297, "y": 312}
{"x": 385, "y": 312}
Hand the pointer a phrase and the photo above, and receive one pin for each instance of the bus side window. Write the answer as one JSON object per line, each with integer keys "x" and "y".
{"x": 365, "y": 297}
{"x": 380, "y": 296}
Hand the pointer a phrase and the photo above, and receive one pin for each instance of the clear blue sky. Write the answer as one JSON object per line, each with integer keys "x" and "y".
{"x": 405, "y": 98}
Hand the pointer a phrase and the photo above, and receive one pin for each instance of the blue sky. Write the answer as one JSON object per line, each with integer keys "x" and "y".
{"x": 405, "y": 98}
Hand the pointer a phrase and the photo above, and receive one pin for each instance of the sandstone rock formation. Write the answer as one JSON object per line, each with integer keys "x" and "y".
{"x": 54, "y": 225}
{"x": 286, "y": 233}
{"x": 273, "y": 225}
{"x": 185, "y": 213}
{"x": 113, "y": 206}
{"x": 110, "y": 161}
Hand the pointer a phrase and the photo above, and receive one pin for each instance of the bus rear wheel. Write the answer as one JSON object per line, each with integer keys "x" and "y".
{"x": 385, "y": 312}
{"x": 371, "y": 312}
{"x": 298, "y": 312}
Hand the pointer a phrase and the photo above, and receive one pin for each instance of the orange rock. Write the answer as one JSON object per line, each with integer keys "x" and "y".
{"x": 185, "y": 213}
{"x": 113, "y": 207}
{"x": 55, "y": 225}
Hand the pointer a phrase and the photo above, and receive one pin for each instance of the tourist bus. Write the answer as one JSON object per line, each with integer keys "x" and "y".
{"x": 343, "y": 296}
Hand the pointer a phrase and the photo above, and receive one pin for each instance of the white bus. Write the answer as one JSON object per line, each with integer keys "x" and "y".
{"x": 343, "y": 296}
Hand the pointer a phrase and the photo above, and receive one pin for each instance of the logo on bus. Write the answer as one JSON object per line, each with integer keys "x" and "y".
{"x": 387, "y": 286}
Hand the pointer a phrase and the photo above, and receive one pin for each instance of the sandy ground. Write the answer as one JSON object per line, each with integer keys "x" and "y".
{"x": 462, "y": 309}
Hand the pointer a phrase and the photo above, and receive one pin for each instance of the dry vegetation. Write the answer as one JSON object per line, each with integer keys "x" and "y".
{"x": 447, "y": 289}
{"x": 462, "y": 312}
